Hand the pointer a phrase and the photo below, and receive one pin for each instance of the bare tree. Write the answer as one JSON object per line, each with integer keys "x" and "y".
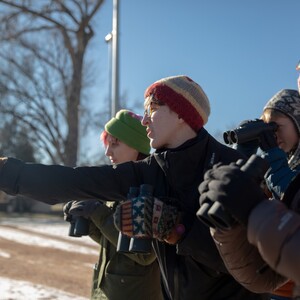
{"x": 43, "y": 46}
{"x": 14, "y": 142}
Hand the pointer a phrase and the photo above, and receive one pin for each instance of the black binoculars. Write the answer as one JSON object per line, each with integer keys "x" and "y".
{"x": 79, "y": 226}
{"x": 213, "y": 214}
{"x": 248, "y": 131}
{"x": 128, "y": 244}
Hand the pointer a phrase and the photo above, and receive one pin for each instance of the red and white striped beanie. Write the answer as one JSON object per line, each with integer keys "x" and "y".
{"x": 183, "y": 96}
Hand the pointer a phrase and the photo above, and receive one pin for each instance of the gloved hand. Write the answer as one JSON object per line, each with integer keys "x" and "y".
{"x": 146, "y": 217}
{"x": 236, "y": 190}
{"x": 83, "y": 208}
{"x": 66, "y": 208}
{"x": 267, "y": 140}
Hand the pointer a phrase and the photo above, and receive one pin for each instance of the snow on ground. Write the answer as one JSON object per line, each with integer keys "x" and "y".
{"x": 56, "y": 227}
{"x": 29, "y": 239}
{"x": 4, "y": 254}
{"x": 17, "y": 290}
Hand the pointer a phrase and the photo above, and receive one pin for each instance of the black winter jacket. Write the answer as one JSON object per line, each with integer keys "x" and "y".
{"x": 190, "y": 270}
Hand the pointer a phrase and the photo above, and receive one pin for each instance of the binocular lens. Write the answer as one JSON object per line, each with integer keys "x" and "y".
{"x": 230, "y": 137}
{"x": 226, "y": 137}
{"x": 233, "y": 137}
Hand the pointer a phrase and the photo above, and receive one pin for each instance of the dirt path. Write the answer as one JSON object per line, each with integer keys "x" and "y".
{"x": 64, "y": 270}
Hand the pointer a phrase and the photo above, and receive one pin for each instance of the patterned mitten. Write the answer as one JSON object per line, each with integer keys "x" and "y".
{"x": 146, "y": 216}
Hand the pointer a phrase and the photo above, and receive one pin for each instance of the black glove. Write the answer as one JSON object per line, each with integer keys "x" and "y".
{"x": 234, "y": 189}
{"x": 83, "y": 208}
{"x": 267, "y": 140}
{"x": 66, "y": 208}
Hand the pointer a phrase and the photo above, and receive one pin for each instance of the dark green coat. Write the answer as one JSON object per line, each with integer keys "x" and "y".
{"x": 121, "y": 276}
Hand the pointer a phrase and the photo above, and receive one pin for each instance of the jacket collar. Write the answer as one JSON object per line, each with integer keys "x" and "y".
{"x": 185, "y": 159}
{"x": 200, "y": 135}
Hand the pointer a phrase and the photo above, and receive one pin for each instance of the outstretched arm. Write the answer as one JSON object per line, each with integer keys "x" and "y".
{"x": 57, "y": 184}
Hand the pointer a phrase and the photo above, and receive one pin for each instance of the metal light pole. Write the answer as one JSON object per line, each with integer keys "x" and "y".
{"x": 108, "y": 40}
{"x": 115, "y": 60}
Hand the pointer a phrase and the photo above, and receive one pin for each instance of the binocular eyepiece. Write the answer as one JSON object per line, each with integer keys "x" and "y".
{"x": 128, "y": 244}
{"x": 248, "y": 131}
{"x": 213, "y": 214}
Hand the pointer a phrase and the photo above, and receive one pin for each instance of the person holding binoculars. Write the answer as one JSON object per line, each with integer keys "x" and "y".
{"x": 277, "y": 136}
{"x": 281, "y": 149}
{"x": 118, "y": 276}
{"x": 176, "y": 110}
{"x": 266, "y": 235}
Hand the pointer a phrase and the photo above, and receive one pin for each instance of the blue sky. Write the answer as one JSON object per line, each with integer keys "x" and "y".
{"x": 240, "y": 52}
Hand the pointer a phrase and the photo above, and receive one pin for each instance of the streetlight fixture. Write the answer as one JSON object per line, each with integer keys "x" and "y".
{"x": 108, "y": 37}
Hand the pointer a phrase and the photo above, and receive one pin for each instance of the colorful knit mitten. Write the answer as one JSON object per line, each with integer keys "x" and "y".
{"x": 146, "y": 216}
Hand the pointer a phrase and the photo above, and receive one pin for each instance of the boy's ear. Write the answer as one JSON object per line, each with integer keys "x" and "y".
{"x": 180, "y": 119}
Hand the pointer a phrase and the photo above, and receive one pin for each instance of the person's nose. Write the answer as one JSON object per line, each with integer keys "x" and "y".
{"x": 146, "y": 120}
{"x": 108, "y": 151}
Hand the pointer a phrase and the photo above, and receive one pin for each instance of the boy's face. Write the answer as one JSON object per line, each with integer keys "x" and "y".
{"x": 287, "y": 134}
{"x": 119, "y": 152}
{"x": 162, "y": 124}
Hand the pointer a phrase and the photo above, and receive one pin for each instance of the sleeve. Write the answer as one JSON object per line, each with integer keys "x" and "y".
{"x": 279, "y": 175}
{"x": 94, "y": 233}
{"x": 244, "y": 262}
{"x": 54, "y": 184}
{"x": 277, "y": 237}
{"x": 104, "y": 221}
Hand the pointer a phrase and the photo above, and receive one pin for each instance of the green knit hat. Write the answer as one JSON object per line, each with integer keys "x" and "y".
{"x": 127, "y": 127}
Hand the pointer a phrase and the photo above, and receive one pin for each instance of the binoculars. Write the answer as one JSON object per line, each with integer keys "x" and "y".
{"x": 248, "y": 131}
{"x": 79, "y": 226}
{"x": 213, "y": 214}
{"x": 128, "y": 244}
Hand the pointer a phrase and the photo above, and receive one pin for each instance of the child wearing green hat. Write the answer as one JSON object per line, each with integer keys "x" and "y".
{"x": 119, "y": 276}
